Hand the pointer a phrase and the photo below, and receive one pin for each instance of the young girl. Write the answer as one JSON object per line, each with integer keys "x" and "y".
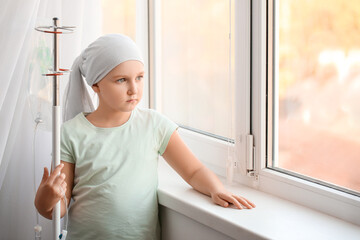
{"x": 109, "y": 156}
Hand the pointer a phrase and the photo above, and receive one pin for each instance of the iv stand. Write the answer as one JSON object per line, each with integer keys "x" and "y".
{"x": 56, "y": 110}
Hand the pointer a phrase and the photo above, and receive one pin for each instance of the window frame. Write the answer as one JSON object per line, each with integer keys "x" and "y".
{"x": 324, "y": 199}
{"x": 142, "y": 36}
{"x": 217, "y": 150}
{"x": 250, "y": 104}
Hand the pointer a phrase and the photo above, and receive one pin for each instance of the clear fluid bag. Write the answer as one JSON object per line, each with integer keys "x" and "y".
{"x": 40, "y": 88}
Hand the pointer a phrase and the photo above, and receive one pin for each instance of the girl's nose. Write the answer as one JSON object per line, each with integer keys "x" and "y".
{"x": 132, "y": 88}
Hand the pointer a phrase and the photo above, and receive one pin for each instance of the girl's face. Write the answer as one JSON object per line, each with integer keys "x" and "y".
{"x": 122, "y": 88}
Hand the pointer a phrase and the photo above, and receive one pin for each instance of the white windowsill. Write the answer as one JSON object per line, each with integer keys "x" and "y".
{"x": 273, "y": 218}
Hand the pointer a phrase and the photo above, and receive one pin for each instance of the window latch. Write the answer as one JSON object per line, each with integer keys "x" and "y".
{"x": 250, "y": 156}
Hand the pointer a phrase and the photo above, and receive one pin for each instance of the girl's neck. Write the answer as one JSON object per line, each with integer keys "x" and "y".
{"x": 105, "y": 119}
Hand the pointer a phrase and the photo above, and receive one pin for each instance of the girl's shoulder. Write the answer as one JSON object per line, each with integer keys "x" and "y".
{"x": 149, "y": 113}
{"x": 73, "y": 124}
{"x": 141, "y": 111}
{"x": 156, "y": 118}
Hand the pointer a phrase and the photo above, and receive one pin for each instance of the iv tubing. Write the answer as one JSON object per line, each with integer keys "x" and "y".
{"x": 37, "y": 227}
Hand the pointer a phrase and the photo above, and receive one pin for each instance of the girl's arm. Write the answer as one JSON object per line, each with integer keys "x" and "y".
{"x": 183, "y": 161}
{"x": 68, "y": 170}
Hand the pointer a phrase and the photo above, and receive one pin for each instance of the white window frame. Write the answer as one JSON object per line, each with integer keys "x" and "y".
{"x": 142, "y": 40}
{"x": 250, "y": 115}
{"x": 211, "y": 151}
{"x": 324, "y": 199}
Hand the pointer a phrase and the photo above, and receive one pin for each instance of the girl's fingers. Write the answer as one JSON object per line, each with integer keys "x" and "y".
{"x": 55, "y": 173}
{"x": 64, "y": 186}
{"x": 61, "y": 189}
{"x": 221, "y": 202}
{"x": 231, "y": 199}
{"x": 59, "y": 180}
{"x": 245, "y": 202}
{"x": 45, "y": 175}
{"x": 61, "y": 192}
{"x": 251, "y": 203}
{"x": 224, "y": 198}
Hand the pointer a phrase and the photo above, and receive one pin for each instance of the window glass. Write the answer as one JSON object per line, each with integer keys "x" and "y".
{"x": 195, "y": 64}
{"x": 315, "y": 51}
{"x": 119, "y": 17}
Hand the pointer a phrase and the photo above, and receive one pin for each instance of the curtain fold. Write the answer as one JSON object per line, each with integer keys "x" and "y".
{"x": 12, "y": 67}
{"x": 18, "y": 19}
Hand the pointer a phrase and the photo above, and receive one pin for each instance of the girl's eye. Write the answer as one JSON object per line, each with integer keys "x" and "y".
{"x": 121, "y": 80}
{"x": 139, "y": 77}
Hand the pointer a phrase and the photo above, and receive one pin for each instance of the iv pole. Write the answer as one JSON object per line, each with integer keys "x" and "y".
{"x": 56, "y": 109}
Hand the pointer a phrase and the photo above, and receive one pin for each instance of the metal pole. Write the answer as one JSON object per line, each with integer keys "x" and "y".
{"x": 56, "y": 128}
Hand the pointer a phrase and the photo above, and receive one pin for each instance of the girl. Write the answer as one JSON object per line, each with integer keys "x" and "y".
{"x": 109, "y": 156}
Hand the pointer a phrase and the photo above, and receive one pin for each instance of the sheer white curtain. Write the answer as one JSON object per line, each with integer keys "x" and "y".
{"x": 17, "y": 40}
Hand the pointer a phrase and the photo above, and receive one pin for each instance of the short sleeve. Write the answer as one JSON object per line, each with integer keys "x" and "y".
{"x": 66, "y": 153}
{"x": 164, "y": 128}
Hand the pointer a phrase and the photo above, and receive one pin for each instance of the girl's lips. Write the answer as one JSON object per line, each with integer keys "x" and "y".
{"x": 131, "y": 100}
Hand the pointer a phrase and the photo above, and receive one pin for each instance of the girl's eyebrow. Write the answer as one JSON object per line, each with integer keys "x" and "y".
{"x": 117, "y": 76}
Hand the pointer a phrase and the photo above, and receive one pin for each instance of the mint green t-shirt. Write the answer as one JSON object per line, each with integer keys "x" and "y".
{"x": 115, "y": 182}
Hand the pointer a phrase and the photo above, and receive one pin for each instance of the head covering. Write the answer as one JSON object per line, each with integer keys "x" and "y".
{"x": 94, "y": 63}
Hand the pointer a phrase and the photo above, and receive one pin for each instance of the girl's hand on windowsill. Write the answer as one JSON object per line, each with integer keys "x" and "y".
{"x": 224, "y": 198}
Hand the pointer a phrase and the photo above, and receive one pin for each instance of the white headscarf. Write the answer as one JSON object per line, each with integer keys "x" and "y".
{"x": 94, "y": 63}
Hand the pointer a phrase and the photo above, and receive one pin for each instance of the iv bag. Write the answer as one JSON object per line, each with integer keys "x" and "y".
{"x": 40, "y": 88}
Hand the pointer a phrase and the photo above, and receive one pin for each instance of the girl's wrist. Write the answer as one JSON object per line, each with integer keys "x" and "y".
{"x": 217, "y": 190}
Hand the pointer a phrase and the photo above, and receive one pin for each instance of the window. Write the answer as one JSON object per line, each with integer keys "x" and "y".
{"x": 194, "y": 82}
{"x": 195, "y": 78}
{"x": 256, "y": 76}
{"x": 315, "y": 89}
{"x": 274, "y": 62}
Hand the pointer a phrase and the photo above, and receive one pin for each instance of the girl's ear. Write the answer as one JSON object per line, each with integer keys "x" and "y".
{"x": 95, "y": 87}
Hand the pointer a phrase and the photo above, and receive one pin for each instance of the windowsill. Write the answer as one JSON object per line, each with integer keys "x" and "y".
{"x": 273, "y": 218}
